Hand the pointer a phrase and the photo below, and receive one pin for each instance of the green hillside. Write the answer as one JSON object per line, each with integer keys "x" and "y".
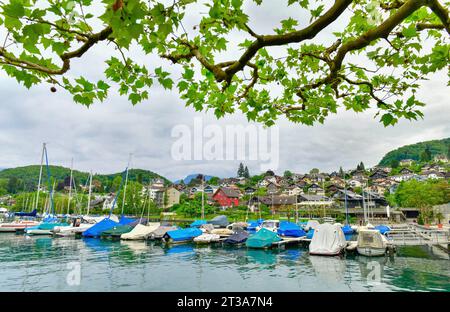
{"x": 414, "y": 151}
{"x": 27, "y": 177}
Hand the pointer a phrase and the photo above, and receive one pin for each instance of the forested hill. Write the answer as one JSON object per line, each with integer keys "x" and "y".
{"x": 416, "y": 151}
{"x": 27, "y": 177}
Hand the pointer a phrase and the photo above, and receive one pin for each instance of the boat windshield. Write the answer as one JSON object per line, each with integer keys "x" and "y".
{"x": 270, "y": 224}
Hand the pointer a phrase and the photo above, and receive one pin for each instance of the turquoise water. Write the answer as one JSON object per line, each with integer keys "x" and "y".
{"x": 63, "y": 264}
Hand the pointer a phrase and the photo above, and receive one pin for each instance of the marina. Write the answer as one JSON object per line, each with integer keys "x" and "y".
{"x": 32, "y": 263}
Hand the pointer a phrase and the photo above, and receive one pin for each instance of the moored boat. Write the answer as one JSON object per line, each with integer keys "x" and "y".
{"x": 328, "y": 240}
{"x": 17, "y": 225}
{"x": 289, "y": 229}
{"x": 371, "y": 243}
{"x": 140, "y": 231}
{"x": 271, "y": 225}
{"x": 264, "y": 238}
{"x": 207, "y": 238}
{"x": 182, "y": 235}
{"x": 237, "y": 238}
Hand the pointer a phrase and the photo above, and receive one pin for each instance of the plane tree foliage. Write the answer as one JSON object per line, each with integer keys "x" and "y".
{"x": 376, "y": 56}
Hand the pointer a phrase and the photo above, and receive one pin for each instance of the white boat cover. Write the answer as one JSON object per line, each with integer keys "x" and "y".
{"x": 312, "y": 224}
{"x": 207, "y": 238}
{"x": 328, "y": 240}
{"x": 141, "y": 231}
{"x": 371, "y": 239}
{"x": 207, "y": 228}
{"x": 222, "y": 232}
{"x": 91, "y": 219}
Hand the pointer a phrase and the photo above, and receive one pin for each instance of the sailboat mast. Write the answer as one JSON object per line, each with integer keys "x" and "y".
{"x": 40, "y": 178}
{"x": 70, "y": 186}
{"x": 203, "y": 197}
{"x": 90, "y": 192}
{"x": 345, "y": 200}
{"x": 125, "y": 187}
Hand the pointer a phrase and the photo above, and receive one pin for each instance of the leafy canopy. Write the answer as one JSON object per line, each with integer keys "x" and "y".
{"x": 375, "y": 60}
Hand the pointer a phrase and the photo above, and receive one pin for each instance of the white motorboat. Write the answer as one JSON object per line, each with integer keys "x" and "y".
{"x": 371, "y": 243}
{"x": 17, "y": 225}
{"x": 71, "y": 230}
{"x": 271, "y": 225}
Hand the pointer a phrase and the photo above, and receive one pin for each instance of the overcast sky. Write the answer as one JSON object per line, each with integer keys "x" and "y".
{"x": 101, "y": 137}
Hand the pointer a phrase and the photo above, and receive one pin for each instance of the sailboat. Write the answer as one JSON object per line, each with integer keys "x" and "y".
{"x": 125, "y": 224}
{"x": 347, "y": 229}
{"x": 142, "y": 231}
{"x": 79, "y": 225}
{"x": 107, "y": 223}
{"x": 49, "y": 222}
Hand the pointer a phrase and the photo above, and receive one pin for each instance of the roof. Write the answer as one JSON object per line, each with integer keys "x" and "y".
{"x": 229, "y": 192}
{"x": 313, "y": 197}
{"x": 278, "y": 200}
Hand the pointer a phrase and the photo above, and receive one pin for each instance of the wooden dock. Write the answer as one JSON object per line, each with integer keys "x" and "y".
{"x": 290, "y": 241}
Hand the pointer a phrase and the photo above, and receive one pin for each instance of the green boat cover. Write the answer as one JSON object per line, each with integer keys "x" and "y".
{"x": 118, "y": 230}
{"x": 261, "y": 239}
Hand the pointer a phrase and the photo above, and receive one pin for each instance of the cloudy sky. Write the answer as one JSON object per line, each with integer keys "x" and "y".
{"x": 102, "y": 136}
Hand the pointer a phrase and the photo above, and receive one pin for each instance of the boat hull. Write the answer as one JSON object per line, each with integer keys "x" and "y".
{"x": 39, "y": 232}
{"x": 371, "y": 252}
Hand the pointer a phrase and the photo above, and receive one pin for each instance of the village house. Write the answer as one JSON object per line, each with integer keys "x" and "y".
{"x": 249, "y": 190}
{"x": 315, "y": 189}
{"x": 405, "y": 171}
{"x": 293, "y": 190}
{"x": 406, "y": 162}
{"x": 441, "y": 158}
{"x": 275, "y": 202}
{"x": 226, "y": 197}
{"x": 354, "y": 183}
{"x": 273, "y": 188}
{"x": 353, "y": 200}
{"x": 378, "y": 174}
{"x": 171, "y": 197}
{"x": 339, "y": 182}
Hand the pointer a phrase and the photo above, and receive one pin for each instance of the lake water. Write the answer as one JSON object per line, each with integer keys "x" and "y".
{"x": 63, "y": 264}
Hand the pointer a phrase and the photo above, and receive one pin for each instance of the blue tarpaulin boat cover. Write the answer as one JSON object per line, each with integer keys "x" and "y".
{"x": 97, "y": 229}
{"x": 252, "y": 224}
{"x": 382, "y": 228}
{"x": 198, "y": 223}
{"x": 310, "y": 234}
{"x": 347, "y": 229}
{"x": 184, "y": 234}
{"x": 290, "y": 229}
{"x": 26, "y": 214}
{"x": 124, "y": 220}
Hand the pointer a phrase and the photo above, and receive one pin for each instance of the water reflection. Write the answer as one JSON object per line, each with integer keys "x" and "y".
{"x": 40, "y": 264}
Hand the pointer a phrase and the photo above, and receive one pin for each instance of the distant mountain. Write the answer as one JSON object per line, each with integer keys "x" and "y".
{"x": 190, "y": 177}
{"x": 29, "y": 175}
{"x": 414, "y": 151}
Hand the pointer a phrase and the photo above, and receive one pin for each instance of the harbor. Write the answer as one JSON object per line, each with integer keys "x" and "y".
{"x": 44, "y": 263}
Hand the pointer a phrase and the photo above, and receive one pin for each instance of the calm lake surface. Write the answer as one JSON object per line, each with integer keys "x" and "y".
{"x": 51, "y": 264}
